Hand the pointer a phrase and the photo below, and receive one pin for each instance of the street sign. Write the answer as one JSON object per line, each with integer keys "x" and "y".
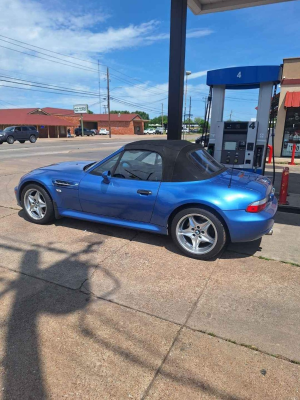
{"x": 81, "y": 109}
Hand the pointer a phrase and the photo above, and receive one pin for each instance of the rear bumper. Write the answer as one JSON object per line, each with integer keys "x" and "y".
{"x": 245, "y": 227}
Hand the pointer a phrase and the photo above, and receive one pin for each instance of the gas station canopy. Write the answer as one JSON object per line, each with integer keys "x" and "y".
{"x": 177, "y": 50}
{"x": 210, "y": 6}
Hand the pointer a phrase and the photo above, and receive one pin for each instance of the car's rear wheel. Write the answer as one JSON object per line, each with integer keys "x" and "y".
{"x": 22, "y": 141}
{"x": 198, "y": 233}
{"x": 32, "y": 138}
{"x": 10, "y": 140}
{"x": 37, "y": 204}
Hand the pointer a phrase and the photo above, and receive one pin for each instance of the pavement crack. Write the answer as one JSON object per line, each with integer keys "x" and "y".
{"x": 147, "y": 391}
{"x": 248, "y": 346}
{"x": 264, "y": 258}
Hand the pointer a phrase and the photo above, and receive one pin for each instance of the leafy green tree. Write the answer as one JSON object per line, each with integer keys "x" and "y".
{"x": 119, "y": 112}
{"x": 90, "y": 112}
{"x": 157, "y": 120}
{"x": 142, "y": 114}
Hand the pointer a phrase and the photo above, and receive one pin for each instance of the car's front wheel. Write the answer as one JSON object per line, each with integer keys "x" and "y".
{"x": 198, "y": 233}
{"x": 37, "y": 204}
{"x": 10, "y": 140}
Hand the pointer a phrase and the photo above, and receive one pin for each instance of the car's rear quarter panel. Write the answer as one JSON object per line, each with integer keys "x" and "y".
{"x": 229, "y": 203}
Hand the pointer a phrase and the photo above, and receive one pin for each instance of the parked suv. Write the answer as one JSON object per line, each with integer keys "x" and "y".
{"x": 86, "y": 132}
{"x": 20, "y": 133}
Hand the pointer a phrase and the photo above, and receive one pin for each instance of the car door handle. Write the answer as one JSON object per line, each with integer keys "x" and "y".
{"x": 144, "y": 192}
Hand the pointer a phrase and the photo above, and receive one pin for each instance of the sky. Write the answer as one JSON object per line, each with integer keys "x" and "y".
{"x": 132, "y": 38}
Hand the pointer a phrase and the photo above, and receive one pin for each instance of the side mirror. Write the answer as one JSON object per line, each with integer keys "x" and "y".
{"x": 106, "y": 176}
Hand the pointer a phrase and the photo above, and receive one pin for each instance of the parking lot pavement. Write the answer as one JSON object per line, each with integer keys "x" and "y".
{"x": 57, "y": 343}
{"x": 154, "y": 278}
{"x": 254, "y": 302}
{"x": 90, "y": 311}
{"x": 203, "y": 367}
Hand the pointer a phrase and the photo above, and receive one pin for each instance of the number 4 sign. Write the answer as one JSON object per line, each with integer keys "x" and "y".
{"x": 239, "y": 75}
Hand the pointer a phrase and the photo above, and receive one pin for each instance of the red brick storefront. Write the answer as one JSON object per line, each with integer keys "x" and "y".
{"x": 54, "y": 122}
{"x": 121, "y": 124}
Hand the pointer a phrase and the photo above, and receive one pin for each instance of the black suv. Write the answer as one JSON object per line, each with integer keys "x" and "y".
{"x": 20, "y": 133}
{"x": 86, "y": 132}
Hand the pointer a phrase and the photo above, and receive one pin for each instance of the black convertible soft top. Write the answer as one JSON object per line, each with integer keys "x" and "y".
{"x": 178, "y": 166}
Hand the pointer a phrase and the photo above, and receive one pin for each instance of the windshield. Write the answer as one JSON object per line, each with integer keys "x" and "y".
{"x": 8, "y": 129}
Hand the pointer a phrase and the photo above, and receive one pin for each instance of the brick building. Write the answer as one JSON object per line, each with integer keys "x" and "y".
{"x": 54, "y": 122}
{"x": 48, "y": 125}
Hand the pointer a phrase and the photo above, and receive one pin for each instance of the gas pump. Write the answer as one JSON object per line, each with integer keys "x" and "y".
{"x": 241, "y": 144}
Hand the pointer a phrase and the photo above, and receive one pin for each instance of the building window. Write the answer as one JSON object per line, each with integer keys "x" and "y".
{"x": 291, "y": 130}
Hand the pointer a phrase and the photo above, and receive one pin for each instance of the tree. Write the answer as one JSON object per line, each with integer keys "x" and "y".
{"x": 90, "y": 112}
{"x": 119, "y": 112}
{"x": 142, "y": 114}
{"x": 199, "y": 121}
{"x": 157, "y": 120}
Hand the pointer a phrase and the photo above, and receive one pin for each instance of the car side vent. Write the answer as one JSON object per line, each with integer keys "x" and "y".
{"x": 61, "y": 183}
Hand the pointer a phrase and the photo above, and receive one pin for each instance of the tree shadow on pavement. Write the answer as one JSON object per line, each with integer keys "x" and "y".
{"x": 34, "y": 297}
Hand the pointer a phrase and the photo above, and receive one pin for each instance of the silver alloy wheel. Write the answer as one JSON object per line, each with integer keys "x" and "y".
{"x": 196, "y": 233}
{"x": 35, "y": 204}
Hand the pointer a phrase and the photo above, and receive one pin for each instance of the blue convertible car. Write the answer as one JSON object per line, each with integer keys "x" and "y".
{"x": 169, "y": 187}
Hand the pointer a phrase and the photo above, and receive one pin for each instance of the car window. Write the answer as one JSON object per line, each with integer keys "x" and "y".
{"x": 106, "y": 166}
{"x": 32, "y": 128}
{"x": 139, "y": 165}
{"x": 9, "y": 129}
{"x": 17, "y": 129}
{"x": 206, "y": 162}
{"x": 25, "y": 128}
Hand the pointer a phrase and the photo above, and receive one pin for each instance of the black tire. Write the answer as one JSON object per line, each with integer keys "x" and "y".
{"x": 219, "y": 228}
{"x": 32, "y": 139}
{"x": 49, "y": 216}
{"x": 10, "y": 140}
{"x": 22, "y": 141}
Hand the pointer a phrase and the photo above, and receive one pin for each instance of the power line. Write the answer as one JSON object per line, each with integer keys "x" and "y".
{"x": 79, "y": 66}
{"x": 47, "y": 59}
{"x": 43, "y": 85}
{"x": 45, "y": 91}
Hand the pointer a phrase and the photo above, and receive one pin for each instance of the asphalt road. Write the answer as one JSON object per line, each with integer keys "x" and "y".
{"x": 81, "y": 148}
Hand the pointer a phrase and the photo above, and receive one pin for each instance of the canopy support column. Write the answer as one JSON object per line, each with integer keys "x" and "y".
{"x": 176, "y": 67}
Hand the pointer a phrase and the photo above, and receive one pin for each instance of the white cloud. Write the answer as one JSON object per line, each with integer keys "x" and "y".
{"x": 196, "y": 33}
{"x": 192, "y": 33}
{"x": 195, "y": 75}
{"x": 78, "y": 35}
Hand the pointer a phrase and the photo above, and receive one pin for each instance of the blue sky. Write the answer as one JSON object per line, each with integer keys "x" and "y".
{"x": 132, "y": 38}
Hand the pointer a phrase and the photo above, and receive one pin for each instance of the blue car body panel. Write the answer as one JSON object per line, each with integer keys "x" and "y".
{"x": 118, "y": 202}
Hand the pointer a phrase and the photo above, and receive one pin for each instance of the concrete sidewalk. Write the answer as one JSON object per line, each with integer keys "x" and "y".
{"x": 89, "y": 311}
{"x": 95, "y": 312}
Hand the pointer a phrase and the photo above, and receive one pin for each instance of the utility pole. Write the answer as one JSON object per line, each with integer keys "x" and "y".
{"x": 108, "y": 103}
{"x": 162, "y": 114}
{"x": 99, "y": 86}
{"x": 190, "y": 113}
{"x": 81, "y": 123}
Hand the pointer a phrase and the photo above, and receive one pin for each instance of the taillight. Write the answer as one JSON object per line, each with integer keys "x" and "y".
{"x": 257, "y": 206}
